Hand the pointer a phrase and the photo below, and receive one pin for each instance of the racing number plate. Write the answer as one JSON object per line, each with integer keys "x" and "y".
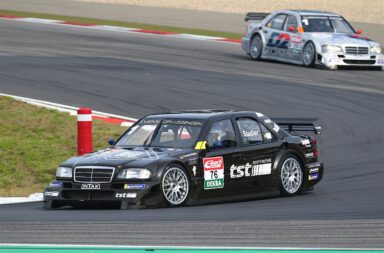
{"x": 213, "y": 172}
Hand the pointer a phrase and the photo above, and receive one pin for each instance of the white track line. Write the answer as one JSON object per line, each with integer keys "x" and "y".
{"x": 180, "y": 247}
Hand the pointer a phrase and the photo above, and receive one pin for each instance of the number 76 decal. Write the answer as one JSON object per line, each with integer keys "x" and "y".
{"x": 279, "y": 40}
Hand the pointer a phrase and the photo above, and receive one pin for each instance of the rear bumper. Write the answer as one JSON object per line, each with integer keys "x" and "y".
{"x": 332, "y": 61}
{"x": 313, "y": 174}
{"x": 130, "y": 194}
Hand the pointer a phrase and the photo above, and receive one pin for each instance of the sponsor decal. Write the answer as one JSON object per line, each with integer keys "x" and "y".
{"x": 297, "y": 39}
{"x": 250, "y": 133}
{"x": 276, "y": 128}
{"x": 56, "y": 184}
{"x": 314, "y": 170}
{"x": 305, "y": 142}
{"x": 258, "y": 114}
{"x": 268, "y": 136}
{"x": 267, "y": 121}
{"x": 313, "y": 165}
{"x": 194, "y": 170}
{"x": 184, "y": 122}
{"x": 213, "y": 172}
{"x": 52, "y": 194}
{"x": 279, "y": 40}
{"x": 127, "y": 195}
{"x": 200, "y": 145}
{"x": 257, "y": 168}
{"x": 135, "y": 186}
{"x": 309, "y": 155}
{"x": 149, "y": 121}
{"x": 313, "y": 177}
{"x": 187, "y": 155}
{"x": 90, "y": 186}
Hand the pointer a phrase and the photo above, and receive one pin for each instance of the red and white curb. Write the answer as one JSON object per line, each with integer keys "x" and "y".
{"x": 119, "y": 29}
{"x": 106, "y": 117}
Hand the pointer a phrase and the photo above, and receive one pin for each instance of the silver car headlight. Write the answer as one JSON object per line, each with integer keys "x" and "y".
{"x": 376, "y": 50}
{"x": 64, "y": 172}
{"x": 331, "y": 49}
{"x": 134, "y": 174}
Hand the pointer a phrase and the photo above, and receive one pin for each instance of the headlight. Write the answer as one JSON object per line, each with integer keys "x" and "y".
{"x": 134, "y": 174}
{"x": 64, "y": 172}
{"x": 331, "y": 49}
{"x": 376, "y": 50}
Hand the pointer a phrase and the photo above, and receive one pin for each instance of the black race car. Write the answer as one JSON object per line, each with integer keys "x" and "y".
{"x": 192, "y": 157}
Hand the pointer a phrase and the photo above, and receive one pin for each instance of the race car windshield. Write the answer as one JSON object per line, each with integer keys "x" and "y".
{"x": 162, "y": 133}
{"x": 326, "y": 25}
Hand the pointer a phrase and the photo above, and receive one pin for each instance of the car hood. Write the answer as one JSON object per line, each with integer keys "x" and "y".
{"x": 115, "y": 156}
{"x": 342, "y": 39}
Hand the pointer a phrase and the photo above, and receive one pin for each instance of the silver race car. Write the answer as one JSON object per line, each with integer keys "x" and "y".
{"x": 309, "y": 38}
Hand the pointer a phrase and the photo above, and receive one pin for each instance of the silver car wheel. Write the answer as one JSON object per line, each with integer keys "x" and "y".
{"x": 308, "y": 54}
{"x": 291, "y": 175}
{"x": 256, "y": 47}
{"x": 175, "y": 186}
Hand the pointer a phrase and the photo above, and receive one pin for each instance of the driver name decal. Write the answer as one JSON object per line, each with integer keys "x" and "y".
{"x": 213, "y": 172}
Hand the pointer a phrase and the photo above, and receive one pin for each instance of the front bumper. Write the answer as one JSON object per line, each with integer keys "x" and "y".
{"x": 127, "y": 193}
{"x": 332, "y": 61}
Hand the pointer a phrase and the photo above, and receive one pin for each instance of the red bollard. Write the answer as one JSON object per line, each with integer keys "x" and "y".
{"x": 84, "y": 131}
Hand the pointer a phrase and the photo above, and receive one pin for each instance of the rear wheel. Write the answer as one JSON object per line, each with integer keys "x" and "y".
{"x": 290, "y": 176}
{"x": 175, "y": 186}
{"x": 256, "y": 47}
{"x": 309, "y": 55}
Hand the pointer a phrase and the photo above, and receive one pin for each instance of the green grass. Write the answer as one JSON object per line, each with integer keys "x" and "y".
{"x": 123, "y": 24}
{"x": 34, "y": 141}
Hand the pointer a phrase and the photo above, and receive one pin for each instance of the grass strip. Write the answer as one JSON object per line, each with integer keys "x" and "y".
{"x": 35, "y": 140}
{"x": 123, "y": 24}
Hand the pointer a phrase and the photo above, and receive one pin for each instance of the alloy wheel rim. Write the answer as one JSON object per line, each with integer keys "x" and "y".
{"x": 291, "y": 175}
{"x": 255, "y": 47}
{"x": 175, "y": 186}
{"x": 308, "y": 54}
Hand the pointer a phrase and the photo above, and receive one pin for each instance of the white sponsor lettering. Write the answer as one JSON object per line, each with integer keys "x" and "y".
{"x": 213, "y": 164}
{"x": 90, "y": 186}
{"x": 315, "y": 170}
{"x": 52, "y": 194}
{"x": 248, "y": 170}
{"x": 126, "y": 195}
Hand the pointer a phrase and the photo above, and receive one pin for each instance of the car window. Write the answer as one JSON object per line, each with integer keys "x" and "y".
{"x": 277, "y": 22}
{"x": 221, "y": 135}
{"x": 317, "y": 24}
{"x": 267, "y": 135}
{"x": 291, "y": 21}
{"x": 250, "y": 131}
{"x": 341, "y": 26}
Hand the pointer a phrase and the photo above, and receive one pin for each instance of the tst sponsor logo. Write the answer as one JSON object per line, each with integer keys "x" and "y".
{"x": 128, "y": 195}
{"x": 257, "y": 168}
{"x": 90, "y": 186}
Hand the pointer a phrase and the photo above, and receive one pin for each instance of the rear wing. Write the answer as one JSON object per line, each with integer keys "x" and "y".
{"x": 255, "y": 16}
{"x": 298, "y": 124}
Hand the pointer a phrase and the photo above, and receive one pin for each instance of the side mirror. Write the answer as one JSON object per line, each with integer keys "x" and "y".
{"x": 292, "y": 29}
{"x": 359, "y": 31}
{"x": 111, "y": 142}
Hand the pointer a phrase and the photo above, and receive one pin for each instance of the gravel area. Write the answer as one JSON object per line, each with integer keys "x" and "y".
{"x": 353, "y": 10}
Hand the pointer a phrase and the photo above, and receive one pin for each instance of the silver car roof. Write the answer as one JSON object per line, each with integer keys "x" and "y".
{"x": 311, "y": 13}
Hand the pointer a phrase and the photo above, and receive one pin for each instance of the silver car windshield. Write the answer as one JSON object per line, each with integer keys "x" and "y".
{"x": 162, "y": 133}
{"x": 324, "y": 24}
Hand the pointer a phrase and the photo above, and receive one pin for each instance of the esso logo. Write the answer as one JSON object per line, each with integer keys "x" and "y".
{"x": 213, "y": 163}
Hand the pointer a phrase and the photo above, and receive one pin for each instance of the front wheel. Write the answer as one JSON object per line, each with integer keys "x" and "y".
{"x": 290, "y": 176}
{"x": 256, "y": 47}
{"x": 309, "y": 55}
{"x": 175, "y": 186}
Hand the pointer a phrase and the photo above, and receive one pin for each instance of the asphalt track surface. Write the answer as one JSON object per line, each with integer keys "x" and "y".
{"x": 134, "y": 74}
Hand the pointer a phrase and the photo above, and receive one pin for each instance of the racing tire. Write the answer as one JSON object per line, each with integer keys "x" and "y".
{"x": 175, "y": 186}
{"x": 290, "y": 176}
{"x": 256, "y": 47}
{"x": 309, "y": 55}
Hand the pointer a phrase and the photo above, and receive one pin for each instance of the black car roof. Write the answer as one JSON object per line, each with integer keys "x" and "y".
{"x": 199, "y": 114}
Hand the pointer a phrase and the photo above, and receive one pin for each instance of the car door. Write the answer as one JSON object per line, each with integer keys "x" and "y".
{"x": 276, "y": 38}
{"x": 221, "y": 151}
{"x": 259, "y": 148}
{"x": 295, "y": 43}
